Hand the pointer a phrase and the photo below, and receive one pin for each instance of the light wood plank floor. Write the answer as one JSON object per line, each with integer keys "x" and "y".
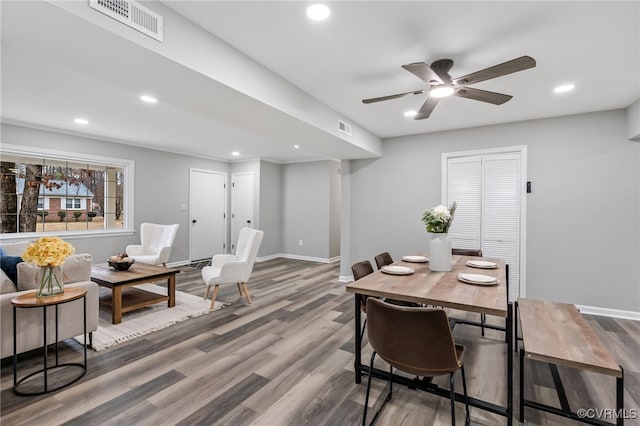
{"x": 287, "y": 359}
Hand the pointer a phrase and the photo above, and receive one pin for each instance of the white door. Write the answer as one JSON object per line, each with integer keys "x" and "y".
{"x": 241, "y": 204}
{"x": 207, "y": 213}
{"x": 489, "y": 190}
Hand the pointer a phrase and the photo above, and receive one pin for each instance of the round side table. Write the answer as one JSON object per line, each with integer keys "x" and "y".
{"x": 28, "y": 301}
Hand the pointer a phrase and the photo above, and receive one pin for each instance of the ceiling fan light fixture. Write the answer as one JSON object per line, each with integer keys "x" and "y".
{"x": 441, "y": 91}
{"x": 318, "y": 12}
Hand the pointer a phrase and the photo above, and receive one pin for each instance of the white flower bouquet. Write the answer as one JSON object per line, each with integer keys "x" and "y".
{"x": 438, "y": 219}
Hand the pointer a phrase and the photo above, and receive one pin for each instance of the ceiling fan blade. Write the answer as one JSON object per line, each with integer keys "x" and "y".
{"x": 442, "y": 68}
{"x": 426, "y": 108}
{"x": 515, "y": 65}
{"x": 386, "y": 98}
{"x": 423, "y": 72}
{"x": 483, "y": 95}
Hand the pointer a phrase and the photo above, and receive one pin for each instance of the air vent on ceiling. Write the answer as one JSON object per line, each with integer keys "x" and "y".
{"x": 344, "y": 127}
{"x": 132, "y": 14}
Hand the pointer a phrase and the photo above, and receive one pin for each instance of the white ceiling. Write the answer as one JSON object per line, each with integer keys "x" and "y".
{"x": 56, "y": 66}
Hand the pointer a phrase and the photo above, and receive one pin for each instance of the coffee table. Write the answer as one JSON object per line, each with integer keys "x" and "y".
{"x": 133, "y": 298}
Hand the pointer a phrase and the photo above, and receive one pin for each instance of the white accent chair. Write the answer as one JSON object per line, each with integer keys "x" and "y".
{"x": 155, "y": 244}
{"x": 233, "y": 268}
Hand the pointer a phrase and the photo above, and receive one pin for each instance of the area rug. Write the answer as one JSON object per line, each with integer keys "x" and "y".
{"x": 147, "y": 320}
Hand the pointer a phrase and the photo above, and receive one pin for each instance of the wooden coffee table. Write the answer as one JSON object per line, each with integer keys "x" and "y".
{"x": 133, "y": 298}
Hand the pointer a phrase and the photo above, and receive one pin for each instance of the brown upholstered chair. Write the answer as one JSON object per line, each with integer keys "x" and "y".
{"x": 383, "y": 259}
{"x": 417, "y": 341}
{"x": 362, "y": 269}
{"x": 477, "y": 253}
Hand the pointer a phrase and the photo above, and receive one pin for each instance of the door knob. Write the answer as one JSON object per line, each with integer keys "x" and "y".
{"x": 248, "y": 221}
{"x": 193, "y": 221}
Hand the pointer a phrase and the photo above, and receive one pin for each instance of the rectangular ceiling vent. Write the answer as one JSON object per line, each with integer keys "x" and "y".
{"x": 344, "y": 127}
{"x": 132, "y": 14}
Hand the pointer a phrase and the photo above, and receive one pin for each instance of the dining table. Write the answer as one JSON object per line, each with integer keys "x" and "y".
{"x": 441, "y": 289}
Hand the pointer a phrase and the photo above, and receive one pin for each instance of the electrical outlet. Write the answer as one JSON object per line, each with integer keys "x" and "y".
{"x": 300, "y": 243}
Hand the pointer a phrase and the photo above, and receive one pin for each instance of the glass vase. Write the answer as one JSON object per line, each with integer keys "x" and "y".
{"x": 440, "y": 252}
{"x": 50, "y": 281}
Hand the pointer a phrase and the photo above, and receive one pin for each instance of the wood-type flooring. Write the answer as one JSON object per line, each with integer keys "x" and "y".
{"x": 287, "y": 359}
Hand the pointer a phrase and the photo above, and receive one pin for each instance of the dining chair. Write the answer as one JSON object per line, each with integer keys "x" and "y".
{"x": 359, "y": 270}
{"x": 466, "y": 252}
{"x": 383, "y": 259}
{"x": 155, "y": 244}
{"x": 477, "y": 253}
{"x": 416, "y": 341}
{"x": 233, "y": 268}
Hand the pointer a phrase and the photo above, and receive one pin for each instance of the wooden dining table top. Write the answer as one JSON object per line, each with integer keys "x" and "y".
{"x": 440, "y": 288}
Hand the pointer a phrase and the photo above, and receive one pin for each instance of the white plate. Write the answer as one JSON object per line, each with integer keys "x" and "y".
{"x": 415, "y": 259}
{"x": 397, "y": 270}
{"x": 478, "y": 279}
{"x": 483, "y": 264}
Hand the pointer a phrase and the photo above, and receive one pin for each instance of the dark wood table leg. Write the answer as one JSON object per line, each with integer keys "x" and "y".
{"x": 358, "y": 340}
{"x": 172, "y": 291}
{"x": 116, "y": 304}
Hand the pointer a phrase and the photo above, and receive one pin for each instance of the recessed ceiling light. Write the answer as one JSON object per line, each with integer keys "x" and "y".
{"x": 80, "y": 120}
{"x": 564, "y": 88}
{"x": 235, "y": 153}
{"x": 296, "y": 146}
{"x": 148, "y": 99}
{"x": 441, "y": 91}
{"x": 318, "y": 12}
{"x": 410, "y": 113}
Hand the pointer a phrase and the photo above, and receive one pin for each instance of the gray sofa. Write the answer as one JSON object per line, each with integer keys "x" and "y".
{"x": 76, "y": 272}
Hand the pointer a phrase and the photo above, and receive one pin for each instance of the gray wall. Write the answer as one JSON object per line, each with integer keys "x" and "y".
{"x": 583, "y": 215}
{"x": 335, "y": 206}
{"x": 305, "y": 212}
{"x": 161, "y": 184}
{"x": 270, "y": 208}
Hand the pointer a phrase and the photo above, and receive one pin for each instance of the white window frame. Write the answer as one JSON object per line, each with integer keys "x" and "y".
{"x": 128, "y": 167}
{"x": 66, "y": 199}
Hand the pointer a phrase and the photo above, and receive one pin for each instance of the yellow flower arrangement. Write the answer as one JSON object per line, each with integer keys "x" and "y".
{"x": 48, "y": 251}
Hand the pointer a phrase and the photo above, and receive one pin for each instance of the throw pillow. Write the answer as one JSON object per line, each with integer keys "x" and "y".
{"x": 75, "y": 268}
{"x": 6, "y": 285}
{"x": 8, "y": 264}
{"x": 27, "y": 276}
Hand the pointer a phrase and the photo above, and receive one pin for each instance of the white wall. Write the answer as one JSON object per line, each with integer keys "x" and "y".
{"x": 161, "y": 184}
{"x": 583, "y": 217}
{"x": 633, "y": 121}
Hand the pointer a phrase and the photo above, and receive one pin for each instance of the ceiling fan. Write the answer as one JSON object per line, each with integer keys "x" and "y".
{"x": 441, "y": 84}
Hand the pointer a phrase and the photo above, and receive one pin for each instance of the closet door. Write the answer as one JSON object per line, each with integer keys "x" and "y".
{"x": 464, "y": 187}
{"x": 501, "y": 213}
{"x": 488, "y": 190}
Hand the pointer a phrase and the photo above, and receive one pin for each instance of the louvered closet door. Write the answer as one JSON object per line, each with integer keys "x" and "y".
{"x": 487, "y": 189}
{"x": 464, "y": 187}
{"x": 501, "y": 213}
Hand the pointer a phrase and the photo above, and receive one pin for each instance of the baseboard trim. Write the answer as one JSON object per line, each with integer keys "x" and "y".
{"x": 345, "y": 279}
{"x": 298, "y": 257}
{"x": 178, "y": 263}
{"x": 606, "y": 312}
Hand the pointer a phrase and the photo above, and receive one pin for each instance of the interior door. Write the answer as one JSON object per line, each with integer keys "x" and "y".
{"x": 207, "y": 218}
{"x": 488, "y": 189}
{"x": 241, "y": 204}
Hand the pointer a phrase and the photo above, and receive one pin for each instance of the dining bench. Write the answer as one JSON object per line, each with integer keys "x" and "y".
{"x": 557, "y": 334}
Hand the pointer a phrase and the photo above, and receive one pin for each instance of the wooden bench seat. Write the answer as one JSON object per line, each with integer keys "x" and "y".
{"x": 557, "y": 334}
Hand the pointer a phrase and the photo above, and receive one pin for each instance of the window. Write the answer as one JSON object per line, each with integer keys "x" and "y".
{"x": 73, "y": 203}
{"x": 52, "y": 192}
